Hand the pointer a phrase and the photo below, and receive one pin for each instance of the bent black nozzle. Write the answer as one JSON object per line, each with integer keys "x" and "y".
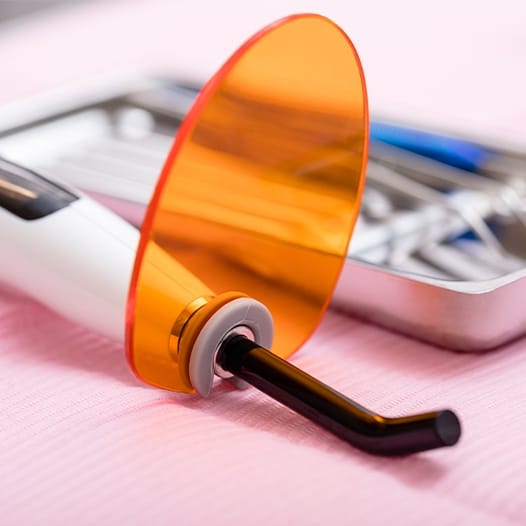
{"x": 331, "y": 410}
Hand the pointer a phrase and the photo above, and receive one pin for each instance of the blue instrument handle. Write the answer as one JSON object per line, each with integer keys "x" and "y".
{"x": 454, "y": 152}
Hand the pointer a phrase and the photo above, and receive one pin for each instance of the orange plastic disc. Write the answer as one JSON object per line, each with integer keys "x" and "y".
{"x": 259, "y": 194}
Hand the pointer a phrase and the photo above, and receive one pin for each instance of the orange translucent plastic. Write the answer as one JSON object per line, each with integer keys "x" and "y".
{"x": 259, "y": 194}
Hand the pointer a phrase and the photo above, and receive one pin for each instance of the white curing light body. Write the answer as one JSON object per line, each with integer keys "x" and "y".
{"x": 77, "y": 260}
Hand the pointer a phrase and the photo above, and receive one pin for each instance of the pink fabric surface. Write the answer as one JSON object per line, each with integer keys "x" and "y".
{"x": 82, "y": 442}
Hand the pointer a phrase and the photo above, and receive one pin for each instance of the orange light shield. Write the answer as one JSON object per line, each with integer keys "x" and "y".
{"x": 259, "y": 194}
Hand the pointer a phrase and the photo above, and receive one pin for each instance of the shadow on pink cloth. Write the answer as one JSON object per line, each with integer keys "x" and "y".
{"x": 42, "y": 337}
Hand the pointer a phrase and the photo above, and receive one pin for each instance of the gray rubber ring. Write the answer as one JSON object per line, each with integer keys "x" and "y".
{"x": 241, "y": 311}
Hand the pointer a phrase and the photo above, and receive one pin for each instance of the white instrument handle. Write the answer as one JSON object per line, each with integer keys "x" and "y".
{"x": 77, "y": 259}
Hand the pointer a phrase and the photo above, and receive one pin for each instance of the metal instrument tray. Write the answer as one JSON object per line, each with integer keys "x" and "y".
{"x": 403, "y": 271}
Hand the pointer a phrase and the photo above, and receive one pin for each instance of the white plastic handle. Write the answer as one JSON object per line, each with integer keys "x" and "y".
{"x": 77, "y": 260}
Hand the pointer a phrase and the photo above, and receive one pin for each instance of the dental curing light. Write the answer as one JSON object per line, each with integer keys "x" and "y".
{"x": 252, "y": 215}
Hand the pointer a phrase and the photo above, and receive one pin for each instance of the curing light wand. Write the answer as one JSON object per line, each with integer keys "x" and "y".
{"x": 248, "y": 226}
{"x": 41, "y": 212}
{"x": 338, "y": 414}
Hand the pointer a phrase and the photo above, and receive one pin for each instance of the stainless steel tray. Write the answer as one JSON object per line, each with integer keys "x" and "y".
{"x": 110, "y": 140}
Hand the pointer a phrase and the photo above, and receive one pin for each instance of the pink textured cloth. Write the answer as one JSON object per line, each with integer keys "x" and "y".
{"x": 82, "y": 442}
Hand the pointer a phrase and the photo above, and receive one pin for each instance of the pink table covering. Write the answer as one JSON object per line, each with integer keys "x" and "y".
{"x": 82, "y": 442}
